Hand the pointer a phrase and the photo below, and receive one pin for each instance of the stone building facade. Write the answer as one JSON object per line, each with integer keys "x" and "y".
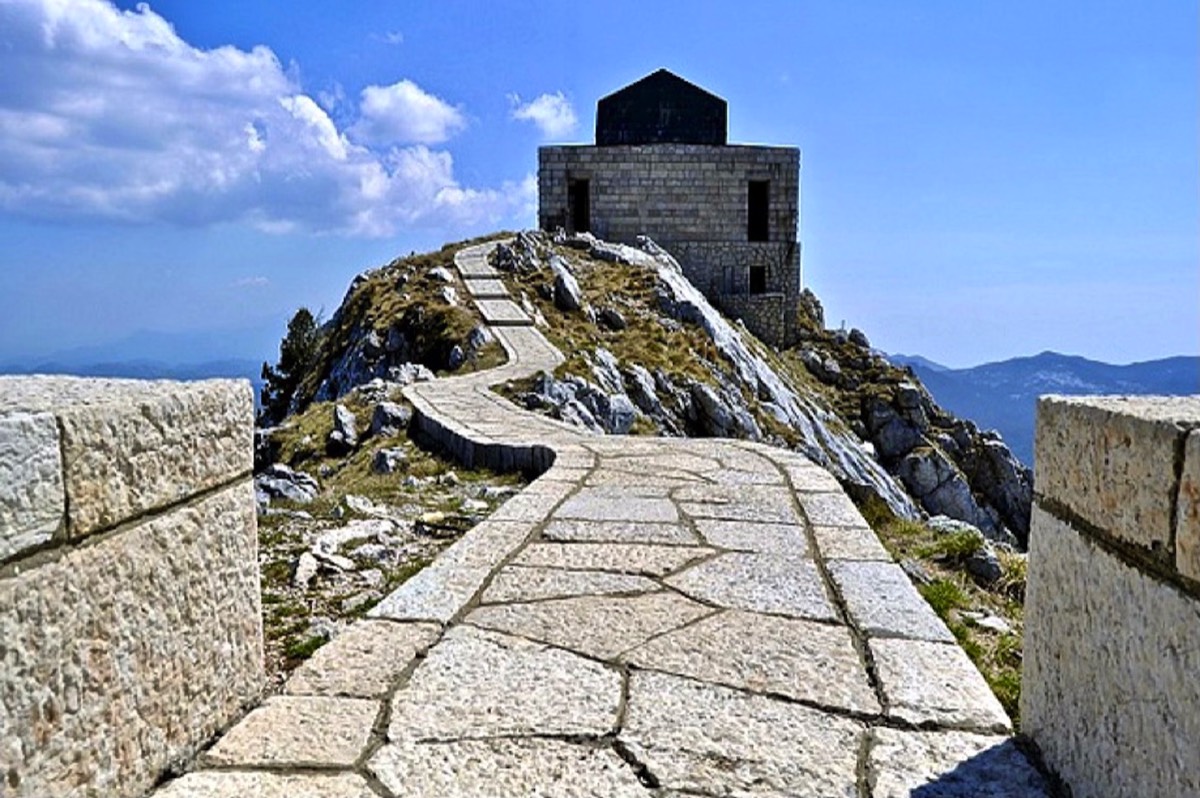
{"x": 661, "y": 167}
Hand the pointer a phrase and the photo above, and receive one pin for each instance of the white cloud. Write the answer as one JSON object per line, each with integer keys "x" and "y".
{"x": 552, "y": 113}
{"x": 250, "y": 282}
{"x": 404, "y": 114}
{"x": 109, "y": 114}
{"x": 393, "y": 37}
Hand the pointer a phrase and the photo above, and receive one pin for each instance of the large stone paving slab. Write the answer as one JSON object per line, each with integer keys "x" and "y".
{"x": 602, "y": 504}
{"x": 519, "y": 583}
{"x": 883, "y": 602}
{"x": 502, "y": 312}
{"x": 362, "y": 661}
{"x": 753, "y": 536}
{"x": 926, "y": 682}
{"x": 299, "y": 731}
{"x": 505, "y": 768}
{"x": 601, "y": 627}
{"x": 849, "y": 543}
{"x": 571, "y": 531}
{"x": 485, "y": 288}
{"x": 774, "y": 583}
{"x": 629, "y": 558}
{"x": 476, "y": 683}
{"x": 807, "y": 661}
{"x": 718, "y": 741}
{"x": 831, "y": 509}
{"x": 251, "y": 784}
{"x": 904, "y": 764}
{"x": 751, "y": 503}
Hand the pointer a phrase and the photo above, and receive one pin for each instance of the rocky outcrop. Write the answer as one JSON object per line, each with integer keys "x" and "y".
{"x": 947, "y": 464}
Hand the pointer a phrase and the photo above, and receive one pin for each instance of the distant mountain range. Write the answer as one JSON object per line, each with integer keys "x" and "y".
{"x": 1003, "y": 396}
{"x": 160, "y": 356}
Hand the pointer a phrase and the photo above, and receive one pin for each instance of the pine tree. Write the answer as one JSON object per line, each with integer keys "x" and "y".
{"x": 297, "y": 354}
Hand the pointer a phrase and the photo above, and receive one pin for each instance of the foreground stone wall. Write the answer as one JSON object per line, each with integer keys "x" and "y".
{"x": 131, "y": 627}
{"x": 1111, "y": 684}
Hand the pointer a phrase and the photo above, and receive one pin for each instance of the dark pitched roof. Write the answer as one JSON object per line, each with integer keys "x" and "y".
{"x": 661, "y": 107}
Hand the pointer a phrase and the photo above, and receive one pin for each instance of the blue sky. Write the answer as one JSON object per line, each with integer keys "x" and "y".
{"x": 981, "y": 180}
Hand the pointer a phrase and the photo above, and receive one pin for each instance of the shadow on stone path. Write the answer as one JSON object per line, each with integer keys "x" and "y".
{"x": 650, "y": 617}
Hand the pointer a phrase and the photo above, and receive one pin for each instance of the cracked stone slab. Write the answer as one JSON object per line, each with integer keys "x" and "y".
{"x": 754, "y": 537}
{"x": 565, "y": 531}
{"x": 629, "y": 558}
{"x": 926, "y": 682}
{"x": 363, "y": 661}
{"x": 477, "y": 683}
{"x": 600, "y": 504}
{"x": 598, "y": 626}
{"x": 298, "y": 731}
{"x": 849, "y": 543}
{"x": 950, "y": 765}
{"x": 883, "y": 602}
{"x": 831, "y": 509}
{"x": 803, "y": 660}
{"x": 244, "y": 784}
{"x": 520, "y": 583}
{"x": 718, "y": 741}
{"x": 505, "y": 767}
{"x": 776, "y": 583}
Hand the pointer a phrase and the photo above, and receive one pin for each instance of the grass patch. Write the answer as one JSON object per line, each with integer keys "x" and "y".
{"x": 958, "y": 599}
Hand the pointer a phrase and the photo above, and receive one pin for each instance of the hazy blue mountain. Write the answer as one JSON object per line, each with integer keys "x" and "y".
{"x": 1003, "y": 396}
{"x": 147, "y": 370}
{"x": 917, "y": 360}
{"x": 160, "y": 355}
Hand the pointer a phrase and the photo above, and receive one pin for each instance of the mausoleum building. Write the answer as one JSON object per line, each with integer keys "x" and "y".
{"x": 662, "y": 166}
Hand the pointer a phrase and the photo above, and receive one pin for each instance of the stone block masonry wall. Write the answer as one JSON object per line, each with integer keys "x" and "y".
{"x": 1111, "y": 684}
{"x": 130, "y": 622}
{"x": 693, "y": 200}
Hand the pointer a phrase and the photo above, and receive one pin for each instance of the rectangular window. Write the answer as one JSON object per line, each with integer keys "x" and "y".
{"x": 758, "y": 279}
{"x": 581, "y": 202}
{"x": 758, "y": 210}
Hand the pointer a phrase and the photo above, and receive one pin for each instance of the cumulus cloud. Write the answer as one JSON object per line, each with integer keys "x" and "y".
{"x": 552, "y": 113}
{"x": 109, "y": 114}
{"x": 404, "y": 114}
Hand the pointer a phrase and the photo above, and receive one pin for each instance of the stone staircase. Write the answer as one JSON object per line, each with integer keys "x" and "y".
{"x": 650, "y": 617}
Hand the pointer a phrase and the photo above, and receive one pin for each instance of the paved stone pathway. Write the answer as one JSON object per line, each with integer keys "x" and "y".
{"x": 650, "y": 617}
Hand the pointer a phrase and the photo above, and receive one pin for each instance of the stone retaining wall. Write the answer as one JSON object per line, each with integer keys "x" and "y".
{"x": 131, "y": 629}
{"x": 1111, "y": 685}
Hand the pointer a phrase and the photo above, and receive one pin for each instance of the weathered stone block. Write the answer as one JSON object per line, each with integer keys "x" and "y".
{"x": 1187, "y": 511}
{"x": 31, "y": 488}
{"x": 1111, "y": 461}
{"x": 1109, "y": 687}
{"x": 123, "y": 657}
{"x": 129, "y": 447}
